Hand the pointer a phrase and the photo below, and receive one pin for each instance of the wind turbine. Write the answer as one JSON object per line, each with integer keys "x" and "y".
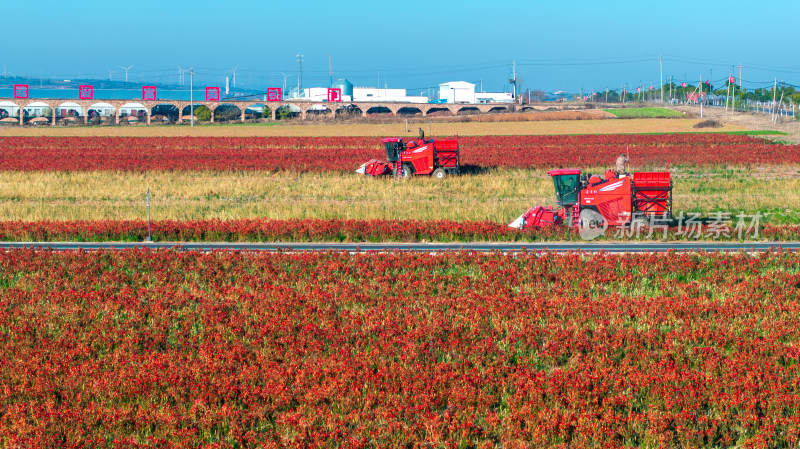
{"x": 110, "y": 72}
{"x": 180, "y": 75}
{"x": 126, "y": 71}
{"x": 284, "y": 80}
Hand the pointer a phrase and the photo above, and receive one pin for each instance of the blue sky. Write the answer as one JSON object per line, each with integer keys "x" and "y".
{"x": 567, "y": 45}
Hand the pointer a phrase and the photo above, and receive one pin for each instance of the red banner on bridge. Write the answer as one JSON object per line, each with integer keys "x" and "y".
{"x": 274, "y": 94}
{"x": 20, "y": 91}
{"x": 148, "y": 93}
{"x": 212, "y": 93}
{"x": 86, "y": 92}
{"x": 334, "y": 95}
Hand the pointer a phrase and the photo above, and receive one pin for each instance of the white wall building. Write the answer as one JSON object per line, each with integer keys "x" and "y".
{"x": 364, "y": 94}
{"x": 494, "y": 97}
{"x": 457, "y": 92}
{"x": 388, "y": 95}
{"x": 319, "y": 94}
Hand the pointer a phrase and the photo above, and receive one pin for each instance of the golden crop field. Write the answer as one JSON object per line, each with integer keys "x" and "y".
{"x": 499, "y": 195}
{"x": 435, "y": 127}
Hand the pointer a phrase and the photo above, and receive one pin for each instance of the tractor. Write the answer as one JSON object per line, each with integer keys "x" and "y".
{"x": 434, "y": 157}
{"x": 594, "y": 202}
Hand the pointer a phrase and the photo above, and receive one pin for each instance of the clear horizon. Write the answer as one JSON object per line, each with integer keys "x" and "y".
{"x": 414, "y": 45}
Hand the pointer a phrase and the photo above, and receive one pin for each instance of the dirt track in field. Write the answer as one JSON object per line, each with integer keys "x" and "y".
{"x": 435, "y": 127}
{"x": 749, "y": 121}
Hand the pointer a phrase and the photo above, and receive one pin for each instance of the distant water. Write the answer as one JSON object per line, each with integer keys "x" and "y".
{"x": 115, "y": 94}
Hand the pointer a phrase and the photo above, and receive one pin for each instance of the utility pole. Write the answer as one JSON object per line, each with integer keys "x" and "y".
{"x": 514, "y": 77}
{"x": 728, "y": 92}
{"x": 733, "y": 91}
{"x": 741, "y": 88}
{"x": 774, "y": 99}
{"x": 740, "y": 77}
{"x": 191, "y": 96}
{"x": 670, "y": 88}
{"x": 700, "y": 98}
{"x": 300, "y": 74}
{"x": 661, "y": 70}
{"x": 284, "y": 83}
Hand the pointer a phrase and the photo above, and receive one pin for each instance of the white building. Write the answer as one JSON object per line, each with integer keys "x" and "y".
{"x": 388, "y": 95}
{"x": 457, "y": 92}
{"x": 464, "y": 92}
{"x": 319, "y": 94}
{"x": 494, "y": 97}
{"x": 364, "y": 94}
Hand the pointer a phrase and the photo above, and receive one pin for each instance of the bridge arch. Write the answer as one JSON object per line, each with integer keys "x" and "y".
{"x": 257, "y": 111}
{"x": 97, "y": 112}
{"x": 69, "y": 111}
{"x": 133, "y": 111}
{"x": 36, "y": 112}
{"x": 227, "y": 112}
{"x": 163, "y": 111}
{"x": 287, "y": 111}
{"x": 439, "y": 112}
{"x": 498, "y": 109}
{"x": 379, "y": 110}
{"x": 202, "y": 112}
{"x": 469, "y": 110}
{"x": 348, "y": 110}
{"x": 321, "y": 110}
{"x": 410, "y": 111}
{"x": 8, "y": 110}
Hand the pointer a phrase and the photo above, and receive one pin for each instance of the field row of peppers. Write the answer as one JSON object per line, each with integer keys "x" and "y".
{"x": 347, "y": 153}
{"x": 333, "y": 230}
{"x": 146, "y": 348}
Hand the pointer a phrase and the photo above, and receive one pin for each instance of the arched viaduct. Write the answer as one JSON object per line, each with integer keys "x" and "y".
{"x": 306, "y": 107}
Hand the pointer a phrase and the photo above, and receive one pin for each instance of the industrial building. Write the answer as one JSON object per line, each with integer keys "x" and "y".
{"x": 391, "y": 95}
{"x": 464, "y": 92}
{"x": 351, "y": 93}
{"x": 450, "y": 92}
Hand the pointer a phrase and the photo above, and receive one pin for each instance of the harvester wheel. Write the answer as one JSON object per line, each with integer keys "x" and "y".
{"x": 405, "y": 171}
{"x": 439, "y": 173}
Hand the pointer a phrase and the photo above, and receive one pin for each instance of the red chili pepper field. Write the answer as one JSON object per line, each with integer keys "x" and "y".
{"x": 347, "y": 153}
{"x": 184, "y": 349}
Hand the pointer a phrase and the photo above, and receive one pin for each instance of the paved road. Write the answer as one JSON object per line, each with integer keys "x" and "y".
{"x": 419, "y": 247}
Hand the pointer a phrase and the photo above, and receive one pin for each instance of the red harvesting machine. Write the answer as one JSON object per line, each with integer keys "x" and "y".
{"x": 435, "y": 157}
{"x": 592, "y": 201}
